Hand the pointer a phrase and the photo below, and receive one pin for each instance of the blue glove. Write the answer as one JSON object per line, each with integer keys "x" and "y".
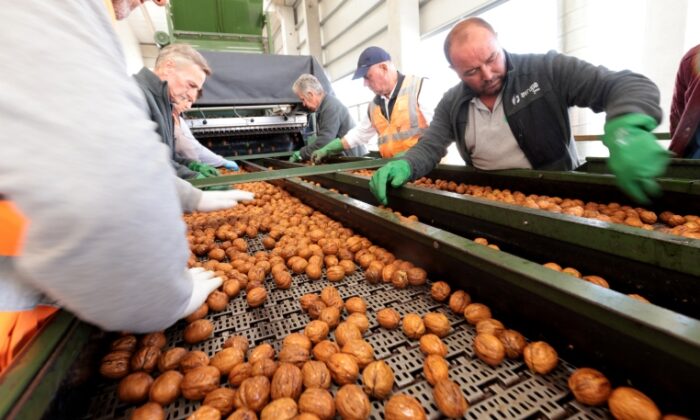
{"x": 229, "y": 164}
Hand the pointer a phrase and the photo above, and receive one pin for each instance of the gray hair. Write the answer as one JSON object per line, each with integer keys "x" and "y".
{"x": 183, "y": 54}
{"x": 307, "y": 83}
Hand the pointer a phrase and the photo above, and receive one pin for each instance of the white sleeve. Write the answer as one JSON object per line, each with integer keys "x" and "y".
{"x": 428, "y": 99}
{"x": 361, "y": 134}
{"x": 82, "y": 161}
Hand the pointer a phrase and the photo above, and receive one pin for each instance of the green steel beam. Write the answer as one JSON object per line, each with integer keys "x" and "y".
{"x": 677, "y": 169}
{"x": 261, "y": 156}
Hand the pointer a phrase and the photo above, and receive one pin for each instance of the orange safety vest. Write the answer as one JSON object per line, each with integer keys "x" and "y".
{"x": 402, "y": 130}
{"x": 16, "y": 328}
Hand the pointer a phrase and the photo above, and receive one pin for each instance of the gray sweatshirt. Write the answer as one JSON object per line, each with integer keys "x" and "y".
{"x": 82, "y": 161}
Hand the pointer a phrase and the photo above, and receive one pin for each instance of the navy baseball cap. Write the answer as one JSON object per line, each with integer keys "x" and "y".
{"x": 369, "y": 57}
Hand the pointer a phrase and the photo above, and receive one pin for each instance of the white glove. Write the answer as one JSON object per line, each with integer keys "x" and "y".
{"x": 218, "y": 200}
{"x": 203, "y": 283}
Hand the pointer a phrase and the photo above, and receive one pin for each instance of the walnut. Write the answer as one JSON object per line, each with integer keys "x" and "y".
{"x": 365, "y": 260}
{"x": 437, "y": 323}
{"x": 346, "y": 332}
{"x": 315, "y": 374}
{"x": 330, "y": 248}
{"x": 324, "y": 350}
{"x": 200, "y": 381}
{"x": 361, "y": 350}
{"x": 237, "y": 342}
{"x": 475, "y": 312}
{"x": 639, "y": 298}
{"x": 331, "y": 316}
{"x": 256, "y": 296}
{"x": 348, "y": 266}
{"x": 352, "y": 403}
{"x": 403, "y": 407}
{"x": 317, "y": 331}
{"x": 283, "y": 280}
{"x": 193, "y": 359}
{"x": 220, "y": 399}
{"x": 331, "y": 297}
{"x": 489, "y": 349}
{"x": 148, "y": 411}
{"x": 399, "y": 279}
{"x": 306, "y": 301}
{"x": 540, "y": 357}
{"x": 435, "y": 368}
{"x": 431, "y": 344}
{"x": 226, "y": 359}
{"x": 115, "y": 365}
{"x": 589, "y": 386}
{"x": 378, "y": 379}
{"x": 166, "y": 387}
{"x": 388, "y": 272}
{"x": 146, "y": 359}
{"x": 317, "y": 401}
{"x": 490, "y": 326}
{"x": 513, "y": 342}
{"x": 205, "y": 412}
{"x": 316, "y": 308}
{"x": 314, "y": 271}
{"x": 627, "y": 403}
{"x": 263, "y": 367}
{"x": 297, "y": 339}
{"x": 171, "y": 358}
{"x": 240, "y": 373}
{"x": 330, "y": 260}
{"x": 416, "y": 276}
{"x": 134, "y": 388}
{"x": 298, "y": 266}
{"x": 359, "y": 320}
{"x": 243, "y": 413}
{"x": 262, "y": 351}
{"x": 286, "y": 382}
{"x": 296, "y": 355}
{"x": 198, "y": 330}
{"x": 449, "y": 398}
{"x": 413, "y": 326}
{"x": 199, "y": 313}
{"x": 440, "y": 291}
{"x": 373, "y": 273}
{"x": 254, "y": 392}
{"x": 356, "y": 305}
{"x": 388, "y": 318}
{"x": 217, "y": 301}
{"x": 344, "y": 368}
{"x": 256, "y": 274}
{"x": 127, "y": 343}
{"x": 280, "y": 409}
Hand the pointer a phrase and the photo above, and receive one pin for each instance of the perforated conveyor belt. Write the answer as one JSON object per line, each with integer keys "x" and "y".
{"x": 505, "y": 392}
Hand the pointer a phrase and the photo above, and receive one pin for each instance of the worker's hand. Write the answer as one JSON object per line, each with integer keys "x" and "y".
{"x": 335, "y": 146}
{"x": 203, "y": 283}
{"x": 295, "y": 157}
{"x": 231, "y": 165}
{"x": 203, "y": 168}
{"x": 636, "y": 158}
{"x": 397, "y": 172}
{"x": 218, "y": 200}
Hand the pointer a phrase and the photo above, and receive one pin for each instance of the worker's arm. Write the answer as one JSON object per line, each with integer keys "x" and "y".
{"x": 328, "y": 121}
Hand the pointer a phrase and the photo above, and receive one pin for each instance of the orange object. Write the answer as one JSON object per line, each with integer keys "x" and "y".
{"x": 402, "y": 130}
{"x": 16, "y": 328}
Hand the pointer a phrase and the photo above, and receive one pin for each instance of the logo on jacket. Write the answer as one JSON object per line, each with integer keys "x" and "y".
{"x": 532, "y": 90}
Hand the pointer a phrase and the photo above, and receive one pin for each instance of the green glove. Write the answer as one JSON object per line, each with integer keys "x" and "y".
{"x": 397, "y": 171}
{"x": 295, "y": 157}
{"x": 199, "y": 176}
{"x": 203, "y": 168}
{"x": 635, "y": 156}
{"x": 333, "y": 147}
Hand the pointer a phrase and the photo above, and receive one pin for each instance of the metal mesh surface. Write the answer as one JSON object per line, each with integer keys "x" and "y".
{"x": 504, "y": 392}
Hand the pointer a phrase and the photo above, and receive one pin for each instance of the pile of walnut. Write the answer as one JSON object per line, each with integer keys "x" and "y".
{"x": 224, "y": 171}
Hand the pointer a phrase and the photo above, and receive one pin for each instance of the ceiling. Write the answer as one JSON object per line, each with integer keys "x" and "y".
{"x": 139, "y": 23}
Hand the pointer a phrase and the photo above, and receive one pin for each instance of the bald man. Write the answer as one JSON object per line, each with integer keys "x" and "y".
{"x": 511, "y": 111}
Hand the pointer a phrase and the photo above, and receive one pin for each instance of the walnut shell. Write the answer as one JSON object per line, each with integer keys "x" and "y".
{"x": 431, "y": 344}
{"x": 373, "y": 273}
{"x": 260, "y": 352}
{"x": 475, "y": 312}
{"x": 226, "y": 359}
{"x": 200, "y": 381}
{"x": 330, "y": 260}
{"x": 331, "y": 297}
{"x": 256, "y": 296}
{"x": 297, "y": 339}
{"x": 317, "y": 401}
{"x": 193, "y": 359}
{"x": 437, "y": 323}
{"x": 217, "y": 301}
{"x": 237, "y": 342}
{"x": 352, "y": 403}
{"x": 317, "y": 331}
{"x": 166, "y": 387}
{"x": 316, "y": 308}
{"x": 378, "y": 379}
{"x": 243, "y": 413}
{"x": 286, "y": 382}
{"x": 115, "y": 365}
{"x": 489, "y": 348}
{"x": 346, "y": 332}
{"x": 127, "y": 343}
{"x": 199, "y": 313}
{"x": 449, "y": 398}
{"x": 280, "y": 409}
{"x": 256, "y": 274}
{"x": 459, "y": 301}
{"x": 221, "y": 399}
{"x": 356, "y": 305}
{"x": 205, "y": 412}
{"x": 490, "y": 326}
{"x": 435, "y": 369}
{"x": 361, "y": 350}
{"x": 540, "y": 357}
{"x": 240, "y": 373}
{"x": 324, "y": 350}
{"x": 403, "y": 407}
{"x": 331, "y": 316}
{"x": 628, "y": 403}
{"x": 413, "y": 326}
{"x": 359, "y": 320}
{"x": 146, "y": 359}
{"x": 314, "y": 271}
{"x": 315, "y": 374}
{"x": 283, "y": 280}
{"x": 589, "y": 386}
{"x": 148, "y": 411}
{"x": 254, "y": 392}
{"x": 306, "y": 301}
{"x": 597, "y": 280}
{"x": 263, "y": 367}
{"x": 198, "y": 330}
{"x": 513, "y": 342}
{"x": 416, "y": 276}
{"x": 388, "y": 272}
{"x": 388, "y": 318}
{"x": 171, "y": 358}
{"x": 344, "y": 368}
{"x": 298, "y": 266}
{"x": 296, "y": 355}
{"x": 335, "y": 273}
{"x": 134, "y": 387}
{"x": 440, "y": 291}
{"x": 348, "y": 266}
{"x": 399, "y": 279}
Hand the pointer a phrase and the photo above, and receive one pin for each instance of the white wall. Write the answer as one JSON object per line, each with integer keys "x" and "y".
{"x": 131, "y": 47}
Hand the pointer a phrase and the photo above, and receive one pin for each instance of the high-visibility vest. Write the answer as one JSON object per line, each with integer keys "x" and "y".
{"x": 402, "y": 130}
{"x": 16, "y": 328}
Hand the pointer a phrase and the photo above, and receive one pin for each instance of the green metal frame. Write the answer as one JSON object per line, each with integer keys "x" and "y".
{"x": 677, "y": 169}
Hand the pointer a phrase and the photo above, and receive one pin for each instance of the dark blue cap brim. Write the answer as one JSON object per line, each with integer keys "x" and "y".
{"x": 361, "y": 72}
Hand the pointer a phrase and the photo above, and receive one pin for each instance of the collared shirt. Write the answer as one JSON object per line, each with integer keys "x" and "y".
{"x": 364, "y": 132}
{"x": 489, "y": 140}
